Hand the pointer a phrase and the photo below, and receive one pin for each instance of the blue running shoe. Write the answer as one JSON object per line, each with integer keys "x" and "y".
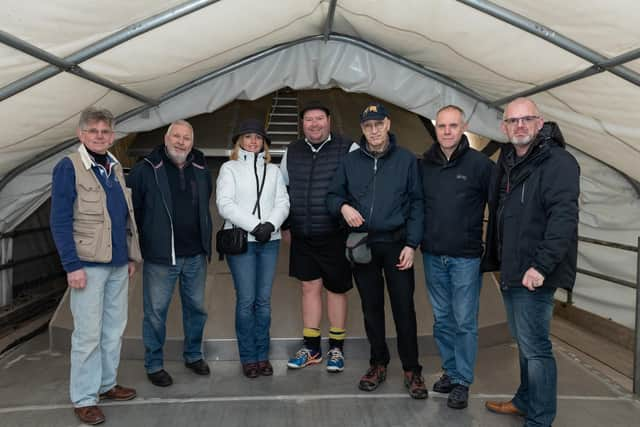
{"x": 304, "y": 357}
{"x": 335, "y": 360}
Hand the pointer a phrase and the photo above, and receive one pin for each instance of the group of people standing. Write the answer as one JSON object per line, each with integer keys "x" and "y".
{"x": 325, "y": 188}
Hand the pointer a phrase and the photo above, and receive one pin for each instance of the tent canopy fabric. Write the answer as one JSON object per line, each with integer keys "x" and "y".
{"x": 153, "y": 61}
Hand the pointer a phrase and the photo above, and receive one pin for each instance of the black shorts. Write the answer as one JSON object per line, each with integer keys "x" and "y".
{"x": 321, "y": 258}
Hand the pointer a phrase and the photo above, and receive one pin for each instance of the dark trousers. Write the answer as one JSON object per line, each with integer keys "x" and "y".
{"x": 400, "y": 286}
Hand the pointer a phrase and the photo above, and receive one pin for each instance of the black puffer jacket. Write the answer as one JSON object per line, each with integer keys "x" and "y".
{"x": 455, "y": 193}
{"x": 533, "y": 213}
{"x": 310, "y": 174}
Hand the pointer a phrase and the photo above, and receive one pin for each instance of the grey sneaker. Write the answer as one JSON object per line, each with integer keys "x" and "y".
{"x": 443, "y": 385}
{"x": 459, "y": 397}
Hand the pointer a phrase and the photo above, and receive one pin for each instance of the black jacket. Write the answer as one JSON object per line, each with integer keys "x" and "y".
{"x": 533, "y": 213}
{"x": 455, "y": 194}
{"x": 310, "y": 174}
{"x": 153, "y": 205}
{"x": 385, "y": 190}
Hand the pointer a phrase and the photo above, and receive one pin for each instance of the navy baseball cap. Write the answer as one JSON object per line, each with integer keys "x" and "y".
{"x": 373, "y": 112}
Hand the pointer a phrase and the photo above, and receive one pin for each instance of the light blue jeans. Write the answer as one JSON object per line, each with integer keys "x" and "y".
{"x": 454, "y": 290}
{"x": 99, "y": 317}
{"x": 158, "y": 284}
{"x": 529, "y": 316}
{"x": 253, "y": 273}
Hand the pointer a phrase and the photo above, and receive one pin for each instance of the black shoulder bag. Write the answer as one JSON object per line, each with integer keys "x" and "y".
{"x": 233, "y": 241}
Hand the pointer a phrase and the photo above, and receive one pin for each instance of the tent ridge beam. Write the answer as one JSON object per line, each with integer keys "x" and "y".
{"x": 328, "y": 26}
{"x": 103, "y": 45}
{"x": 594, "y": 69}
{"x": 551, "y": 36}
{"x": 60, "y": 64}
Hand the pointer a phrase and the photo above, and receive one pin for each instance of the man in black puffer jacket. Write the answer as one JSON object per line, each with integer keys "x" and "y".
{"x": 455, "y": 180}
{"x": 377, "y": 190}
{"x": 532, "y": 238}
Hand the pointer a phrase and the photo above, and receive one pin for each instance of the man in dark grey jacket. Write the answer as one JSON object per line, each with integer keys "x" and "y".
{"x": 532, "y": 238}
{"x": 171, "y": 189}
{"x": 455, "y": 181}
{"x": 376, "y": 189}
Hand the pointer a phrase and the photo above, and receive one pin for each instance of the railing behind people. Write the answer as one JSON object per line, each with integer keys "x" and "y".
{"x": 621, "y": 282}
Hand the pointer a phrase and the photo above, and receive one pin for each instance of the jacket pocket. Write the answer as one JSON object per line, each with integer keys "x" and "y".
{"x": 86, "y": 241}
{"x": 89, "y": 202}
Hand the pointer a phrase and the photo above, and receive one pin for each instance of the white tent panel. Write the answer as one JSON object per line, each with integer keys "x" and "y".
{"x": 167, "y": 58}
{"x": 634, "y": 65}
{"x": 608, "y": 27}
{"x": 426, "y": 36}
{"x": 15, "y": 64}
{"x": 63, "y": 27}
{"x": 47, "y": 114}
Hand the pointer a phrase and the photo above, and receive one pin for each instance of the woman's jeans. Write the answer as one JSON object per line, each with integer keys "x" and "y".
{"x": 253, "y": 273}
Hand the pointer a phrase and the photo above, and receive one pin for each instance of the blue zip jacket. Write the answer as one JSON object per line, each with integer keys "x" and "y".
{"x": 386, "y": 191}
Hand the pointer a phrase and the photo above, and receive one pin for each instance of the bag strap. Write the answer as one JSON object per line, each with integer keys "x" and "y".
{"x": 260, "y": 187}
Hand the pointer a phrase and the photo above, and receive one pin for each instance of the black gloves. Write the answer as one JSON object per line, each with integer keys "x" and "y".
{"x": 263, "y": 231}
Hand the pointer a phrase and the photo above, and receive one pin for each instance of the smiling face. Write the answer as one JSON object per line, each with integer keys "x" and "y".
{"x": 450, "y": 127}
{"x": 316, "y": 125}
{"x": 97, "y": 136}
{"x": 376, "y": 132}
{"x": 251, "y": 142}
{"x": 179, "y": 142}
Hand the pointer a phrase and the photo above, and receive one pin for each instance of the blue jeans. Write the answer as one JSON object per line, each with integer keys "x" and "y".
{"x": 529, "y": 316}
{"x": 99, "y": 317}
{"x": 454, "y": 285}
{"x": 159, "y": 282}
{"x": 253, "y": 274}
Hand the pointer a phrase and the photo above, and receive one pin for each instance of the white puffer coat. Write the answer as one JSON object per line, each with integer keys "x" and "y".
{"x": 236, "y": 193}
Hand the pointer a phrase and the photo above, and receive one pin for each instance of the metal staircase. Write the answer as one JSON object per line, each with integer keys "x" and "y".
{"x": 282, "y": 122}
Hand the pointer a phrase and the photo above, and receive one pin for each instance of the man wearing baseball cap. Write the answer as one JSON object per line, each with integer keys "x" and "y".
{"x": 377, "y": 190}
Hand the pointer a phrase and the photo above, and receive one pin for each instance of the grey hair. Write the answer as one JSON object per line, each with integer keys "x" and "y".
{"x": 181, "y": 122}
{"x": 93, "y": 114}
{"x": 453, "y": 107}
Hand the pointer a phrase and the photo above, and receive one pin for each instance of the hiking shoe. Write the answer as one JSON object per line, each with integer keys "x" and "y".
{"x": 335, "y": 360}
{"x": 415, "y": 383}
{"x": 459, "y": 397}
{"x": 443, "y": 385}
{"x": 373, "y": 377}
{"x": 304, "y": 357}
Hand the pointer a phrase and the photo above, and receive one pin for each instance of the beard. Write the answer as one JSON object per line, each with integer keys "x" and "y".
{"x": 521, "y": 140}
{"x": 175, "y": 156}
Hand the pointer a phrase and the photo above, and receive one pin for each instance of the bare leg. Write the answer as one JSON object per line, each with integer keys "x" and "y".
{"x": 312, "y": 303}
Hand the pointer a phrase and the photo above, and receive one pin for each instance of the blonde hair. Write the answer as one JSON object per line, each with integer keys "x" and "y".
{"x": 235, "y": 152}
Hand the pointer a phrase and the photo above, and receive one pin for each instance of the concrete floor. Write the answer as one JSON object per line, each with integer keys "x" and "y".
{"x": 34, "y": 392}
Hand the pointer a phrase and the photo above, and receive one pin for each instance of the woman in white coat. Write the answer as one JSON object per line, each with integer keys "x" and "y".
{"x": 246, "y": 178}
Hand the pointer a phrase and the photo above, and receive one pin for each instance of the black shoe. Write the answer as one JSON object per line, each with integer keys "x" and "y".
{"x": 200, "y": 367}
{"x": 160, "y": 378}
{"x": 459, "y": 397}
{"x": 443, "y": 385}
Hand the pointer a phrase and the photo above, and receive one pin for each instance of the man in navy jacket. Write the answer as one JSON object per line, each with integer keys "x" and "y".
{"x": 376, "y": 189}
{"x": 455, "y": 180}
{"x": 532, "y": 238}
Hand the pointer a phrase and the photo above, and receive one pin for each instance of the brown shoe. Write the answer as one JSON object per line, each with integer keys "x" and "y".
{"x": 415, "y": 383}
{"x": 507, "y": 408}
{"x": 91, "y": 415}
{"x": 265, "y": 368}
{"x": 374, "y": 376}
{"x": 119, "y": 393}
{"x": 250, "y": 370}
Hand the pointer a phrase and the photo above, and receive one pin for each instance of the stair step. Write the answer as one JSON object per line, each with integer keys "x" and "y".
{"x": 284, "y": 114}
{"x": 282, "y": 132}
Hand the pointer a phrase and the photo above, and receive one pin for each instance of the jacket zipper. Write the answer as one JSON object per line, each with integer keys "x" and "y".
{"x": 373, "y": 187}
{"x": 164, "y": 202}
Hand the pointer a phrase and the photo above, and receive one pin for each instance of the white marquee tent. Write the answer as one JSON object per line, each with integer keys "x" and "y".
{"x": 152, "y": 61}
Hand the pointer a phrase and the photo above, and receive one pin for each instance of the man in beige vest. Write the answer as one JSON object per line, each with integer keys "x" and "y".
{"x": 94, "y": 230}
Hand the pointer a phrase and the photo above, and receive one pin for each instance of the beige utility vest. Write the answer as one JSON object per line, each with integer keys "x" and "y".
{"x": 91, "y": 220}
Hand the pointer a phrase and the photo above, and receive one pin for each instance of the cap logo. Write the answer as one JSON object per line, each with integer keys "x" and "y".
{"x": 371, "y": 109}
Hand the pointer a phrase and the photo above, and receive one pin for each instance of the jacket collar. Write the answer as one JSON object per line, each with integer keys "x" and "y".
{"x": 392, "y": 145}
{"x": 156, "y": 157}
{"x": 247, "y": 156}
{"x": 87, "y": 160}
{"x": 435, "y": 155}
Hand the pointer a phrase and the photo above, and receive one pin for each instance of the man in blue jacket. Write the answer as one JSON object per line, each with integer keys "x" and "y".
{"x": 171, "y": 191}
{"x": 376, "y": 189}
{"x": 532, "y": 238}
{"x": 95, "y": 233}
{"x": 455, "y": 180}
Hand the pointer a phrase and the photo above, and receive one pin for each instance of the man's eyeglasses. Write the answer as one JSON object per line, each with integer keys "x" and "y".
{"x": 371, "y": 125}
{"x": 512, "y": 121}
{"x": 96, "y": 132}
